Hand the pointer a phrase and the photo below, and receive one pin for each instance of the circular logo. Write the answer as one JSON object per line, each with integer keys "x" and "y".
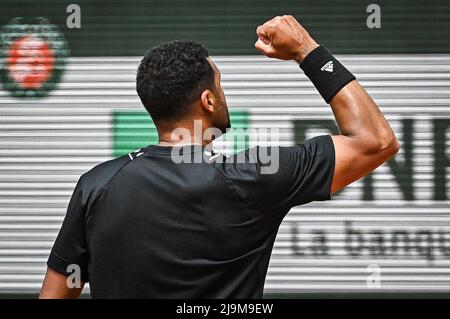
{"x": 32, "y": 57}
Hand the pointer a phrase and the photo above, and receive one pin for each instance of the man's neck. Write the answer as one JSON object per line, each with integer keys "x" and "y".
{"x": 184, "y": 133}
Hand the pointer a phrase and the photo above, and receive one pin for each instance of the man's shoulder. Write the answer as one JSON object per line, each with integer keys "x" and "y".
{"x": 100, "y": 175}
{"x": 251, "y": 160}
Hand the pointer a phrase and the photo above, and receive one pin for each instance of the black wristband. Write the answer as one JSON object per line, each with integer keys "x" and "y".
{"x": 326, "y": 73}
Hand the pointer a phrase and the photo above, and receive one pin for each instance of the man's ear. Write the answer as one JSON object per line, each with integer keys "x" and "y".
{"x": 207, "y": 100}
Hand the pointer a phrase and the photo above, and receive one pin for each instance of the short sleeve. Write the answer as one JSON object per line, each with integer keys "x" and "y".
{"x": 70, "y": 247}
{"x": 304, "y": 174}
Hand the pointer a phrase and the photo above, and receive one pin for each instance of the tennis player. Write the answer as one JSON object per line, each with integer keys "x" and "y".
{"x": 176, "y": 220}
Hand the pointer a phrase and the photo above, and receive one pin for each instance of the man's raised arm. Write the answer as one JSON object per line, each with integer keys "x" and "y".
{"x": 366, "y": 140}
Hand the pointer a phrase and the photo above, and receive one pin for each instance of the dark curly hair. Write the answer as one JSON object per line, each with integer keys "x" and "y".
{"x": 171, "y": 76}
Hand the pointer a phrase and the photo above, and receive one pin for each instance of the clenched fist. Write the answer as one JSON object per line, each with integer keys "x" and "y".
{"x": 284, "y": 38}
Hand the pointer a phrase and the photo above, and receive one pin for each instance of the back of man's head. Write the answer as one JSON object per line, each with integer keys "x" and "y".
{"x": 171, "y": 77}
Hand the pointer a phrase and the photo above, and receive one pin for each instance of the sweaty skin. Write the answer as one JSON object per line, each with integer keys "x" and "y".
{"x": 366, "y": 140}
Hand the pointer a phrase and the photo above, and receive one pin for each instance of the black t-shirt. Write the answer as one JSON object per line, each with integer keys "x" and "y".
{"x": 146, "y": 226}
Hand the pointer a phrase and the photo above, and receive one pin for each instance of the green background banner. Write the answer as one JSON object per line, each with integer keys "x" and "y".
{"x": 135, "y": 129}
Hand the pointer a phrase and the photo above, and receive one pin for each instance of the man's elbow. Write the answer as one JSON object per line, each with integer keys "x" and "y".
{"x": 395, "y": 147}
{"x": 386, "y": 144}
{"x": 390, "y": 146}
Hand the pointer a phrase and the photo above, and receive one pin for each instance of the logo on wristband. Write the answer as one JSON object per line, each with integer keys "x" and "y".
{"x": 327, "y": 66}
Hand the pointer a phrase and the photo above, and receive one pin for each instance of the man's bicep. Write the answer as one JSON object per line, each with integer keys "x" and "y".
{"x": 351, "y": 163}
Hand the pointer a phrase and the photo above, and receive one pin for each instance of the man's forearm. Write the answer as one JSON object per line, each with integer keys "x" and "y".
{"x": 356, "y": 113}
{"x": 359, "y": 117}
{"x": 366, "y": 139}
